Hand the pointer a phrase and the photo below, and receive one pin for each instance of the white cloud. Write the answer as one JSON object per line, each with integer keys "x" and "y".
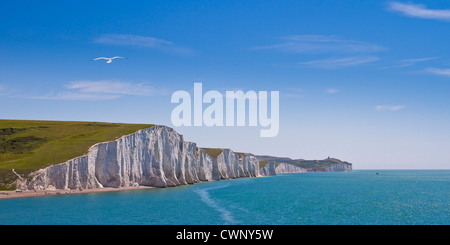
{"x": 132, "y": 40}
{"x": 321, "y": 44}
{"x": 332, "y": 91}
{"x": 75, "y": 96}
{"x": 334, "y": 63}
{"x": 439, "y": 71}
{"x": 420, "y": 11}
{"x": 338, "y": 48}
{"x": 99, "y": 90}
{"x": 110, "y": 87}
{"x": 389, "y": 107}
{"x": 143, "y": 41}
{"x": 411, "y": 62}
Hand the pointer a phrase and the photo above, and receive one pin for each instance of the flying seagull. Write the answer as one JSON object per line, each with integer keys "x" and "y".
{"x": 109, "y": 60}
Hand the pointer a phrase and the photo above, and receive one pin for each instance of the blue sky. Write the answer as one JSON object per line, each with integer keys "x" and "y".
{"x": 364, "y": 81}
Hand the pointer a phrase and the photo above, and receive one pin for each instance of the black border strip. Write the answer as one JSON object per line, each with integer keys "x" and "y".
{"x": 281, "y": 233}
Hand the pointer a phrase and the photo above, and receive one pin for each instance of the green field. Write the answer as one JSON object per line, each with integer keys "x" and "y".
{"x": 27, "y": 146}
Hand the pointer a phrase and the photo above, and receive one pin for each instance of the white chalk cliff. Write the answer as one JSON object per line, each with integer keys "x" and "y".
{"x": 268, "y": 169}
{"x": 274, "y": 168}
{"x": 284, "y": 168}
{"x": 156, "y": 156}
{"x": 339, "y": 168}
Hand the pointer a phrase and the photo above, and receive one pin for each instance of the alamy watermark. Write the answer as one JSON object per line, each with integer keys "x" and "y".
{"x": 234, "y": 105}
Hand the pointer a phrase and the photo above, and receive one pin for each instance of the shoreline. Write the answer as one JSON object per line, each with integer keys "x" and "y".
{"x": 40, "y": 193}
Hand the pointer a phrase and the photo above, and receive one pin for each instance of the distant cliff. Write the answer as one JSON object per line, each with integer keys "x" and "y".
{"x": 278, "y": 165}
{"x": 156, "y": 156}
{"x": 343, "y": 167}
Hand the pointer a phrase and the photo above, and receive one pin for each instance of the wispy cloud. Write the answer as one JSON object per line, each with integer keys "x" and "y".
{"x": 411, "y": 62}
{"x": 341, "y": 52}
{"x": 389, "y": 107}
{"x": 98, "y": 90}
{"x": 143, "y": 42}
{"x": 74, "y": 96}
{"x": 332, "y": 91}
{"x": 419, "y": 11}
{"x": 321, "y": 44}
{"x": 439, "y": 71}
{"x": 334, "y": 63}
{"x": 111, "y": 87}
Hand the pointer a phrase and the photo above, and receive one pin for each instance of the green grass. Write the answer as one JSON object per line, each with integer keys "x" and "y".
{"x": 21, "y": 145}
{"x": 27, "y": 146}
{"x": 263, "y": 163}
{"x": 214, "y": 152}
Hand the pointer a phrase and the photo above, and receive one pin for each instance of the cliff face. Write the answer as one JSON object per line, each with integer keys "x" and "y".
{"x": 269, "y": 169}
{"x": 336, "y": 168}
{"x": 283, "y": 168}
{"x": 288, "y": 165}
{"x": 156, "y": 156}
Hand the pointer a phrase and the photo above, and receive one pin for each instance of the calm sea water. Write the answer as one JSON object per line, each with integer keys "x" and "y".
{"x": 360, "y": 197}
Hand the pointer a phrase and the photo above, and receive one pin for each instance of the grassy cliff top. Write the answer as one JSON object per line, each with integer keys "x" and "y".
{"x": 214, "y": 152}
{"x": 318, "y": 164}
{"x": 30, "y": 145}
{"x": 264, "y": 163}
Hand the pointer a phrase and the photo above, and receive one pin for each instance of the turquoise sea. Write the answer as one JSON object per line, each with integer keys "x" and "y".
{"x": 392, "y": 197}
